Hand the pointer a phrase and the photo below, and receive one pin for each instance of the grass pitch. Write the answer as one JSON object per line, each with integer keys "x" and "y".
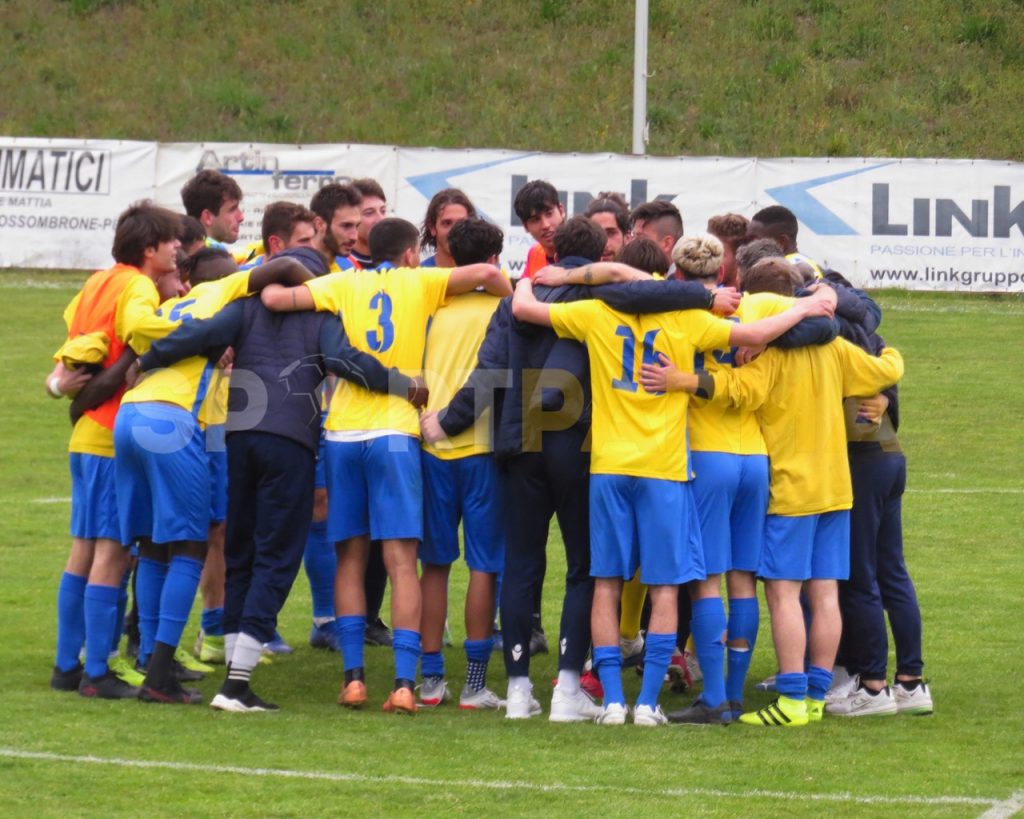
{"x": 962, "y": 431}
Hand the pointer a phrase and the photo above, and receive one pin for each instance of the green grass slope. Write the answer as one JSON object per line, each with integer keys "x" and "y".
{"x": 739, "y": 77}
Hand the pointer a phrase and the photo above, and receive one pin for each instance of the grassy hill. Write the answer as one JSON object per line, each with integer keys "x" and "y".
{"x": 731, "y": 77}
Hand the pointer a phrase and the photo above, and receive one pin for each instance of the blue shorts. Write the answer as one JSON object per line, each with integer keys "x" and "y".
{"x": 731, "y": 494}
{"x": 644, "y": 522}
{"x": 466, "y": 489}
{"x": 163, "y": 474}
{"x": 217, "y": 456}
{"x": 375, "y": 488}
{"x": 806, "y": 547}
{"x": 93, "y": 497}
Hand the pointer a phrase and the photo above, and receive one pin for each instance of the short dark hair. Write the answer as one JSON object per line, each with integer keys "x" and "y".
{"x": 534, "y": 197}
{"x": 779, "y": 220}
{"x": 771, "y": 275}
{"x": 644, "y": 254}
{"x": 280, "y": 219}
{"x": 369, "y": 187}
{"x": 613, "y": 203}
{"x": 209, "y": 190}
{"x": 475, "y": 240}
{"x": 730, "y": 228}
{"x": 143, "y": 225}
{"x": 752, "y": 252}
{"x": 390, "y": 238}
{"x": 193, "y": 266}
{"x": 329, "y": 198}
{"x": 440, "y": 200}
{"x": 666, "y": 216}
{"x": 580, "y": 236}
{"x": 192, "y": 230}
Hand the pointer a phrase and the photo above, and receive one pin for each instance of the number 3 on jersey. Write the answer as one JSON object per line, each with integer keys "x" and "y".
{"x": 383, "y": 337}
{"x": 627, "y": 381}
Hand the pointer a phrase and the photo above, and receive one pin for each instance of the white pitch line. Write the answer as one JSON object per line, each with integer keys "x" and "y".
{"x": 1003, "y": 810}
{"x": 498, "y": 785}
{"x": 51, "y": 500}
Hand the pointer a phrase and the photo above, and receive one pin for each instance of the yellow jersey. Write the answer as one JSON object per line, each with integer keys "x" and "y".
{"x": 186, "y": 383}
{"x": 798, "y": 397}
{"x": 454, "y": 339}
{"x": 714, "y": 425}
{"x": 134, "y": 314}
{"x": 385, "y": 313}
{"x": 635, "y": 432}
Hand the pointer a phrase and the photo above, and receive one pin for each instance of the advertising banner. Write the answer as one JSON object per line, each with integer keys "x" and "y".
{"x": 60, "y": 198}
{"x": 926, "y": 224}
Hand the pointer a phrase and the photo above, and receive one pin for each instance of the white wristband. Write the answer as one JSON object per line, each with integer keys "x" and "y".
{"x": 53, "y": 386}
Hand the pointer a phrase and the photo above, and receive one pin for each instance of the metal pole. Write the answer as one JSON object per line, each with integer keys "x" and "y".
{"x": 640, "y": 79}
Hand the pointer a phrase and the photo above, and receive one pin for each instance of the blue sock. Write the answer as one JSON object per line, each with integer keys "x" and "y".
{"x": 432, "y": 664}
{"x": 321, "y": 566}
{"x": 405, "y": 643}
{"x": 608, "y": 664}
{"x": 70, "y": 620}
{"x": 478, "y": 655}
{"x": 122, "y": 607}
{"x": 351, "y": 630}
{"x": 708, "y": 625}
{"x": 100, "y": 605}
{"x": 212, "y": 622}
{"x": 743, "y": 622}
{"x": 793, "y": 686}
{"x": 657, "y": 655}
{"x": 149, "y": 585}
{"x": 819, "y": 680}
{"x": 176, "y": 599}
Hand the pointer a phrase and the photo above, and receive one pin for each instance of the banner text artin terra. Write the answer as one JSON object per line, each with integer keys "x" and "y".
{"x": 257, "y": 163}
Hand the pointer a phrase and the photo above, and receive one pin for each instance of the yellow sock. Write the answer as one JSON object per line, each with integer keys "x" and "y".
{"x": 633, "y": 594}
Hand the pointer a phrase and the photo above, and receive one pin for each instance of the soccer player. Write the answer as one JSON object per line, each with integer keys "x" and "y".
{"x": 337, "y": 228}
{"x": 779, "y": 223}
{"x": 285, "y": 225}
{"x": 460, "y": 483}
{"x": 117, "y": 303}
{"x": 543, "y": 454}
{"x": 163, "y": 479}
{"x": 730, "y": 462}
{"x": 797, "y": 395}
{"x": 374, "y": 477}
{"x": 641, "y": 509}
{"x": 337, "y": 221}
{"x": 611, "y": 213}
{"x": 374, "y": 207}
{"x": 659, "y": 221}
{"x": 271, "y": 453}
{"x": 216, "y": 201}
{"x": 445, "y": 209}
{"x": 731, "y": 230}
{"x": 541, "y": 211}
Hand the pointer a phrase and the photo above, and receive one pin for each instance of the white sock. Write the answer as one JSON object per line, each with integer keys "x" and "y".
{"x": 247, "y": 653}
{"x": 520, "y": 683}
{"x": 569, "y": 682}
{"x": 322, "y": 621}
{"x": 229, "y": 646}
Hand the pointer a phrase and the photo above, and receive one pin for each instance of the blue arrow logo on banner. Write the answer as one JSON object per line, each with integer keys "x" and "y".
{"x": 812, "y": 212}
{"x": 430, "y": 183}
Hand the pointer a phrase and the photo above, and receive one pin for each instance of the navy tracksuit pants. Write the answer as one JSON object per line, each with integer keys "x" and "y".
{"x": 537, "y": 486}
{"x": 879, "y": 581}
{"x": 270, "y": 505}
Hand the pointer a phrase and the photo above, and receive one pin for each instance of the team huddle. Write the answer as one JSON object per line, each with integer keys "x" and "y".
{"x": 698, "y": 411}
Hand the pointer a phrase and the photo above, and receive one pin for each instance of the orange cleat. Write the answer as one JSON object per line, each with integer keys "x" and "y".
{"x": 400, "y": 701}
{"x": 353, "y": 695}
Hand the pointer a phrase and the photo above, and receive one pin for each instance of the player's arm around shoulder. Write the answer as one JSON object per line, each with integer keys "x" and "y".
{"x": 281, "y": 299}
{"x": 469, "y": 277}
{"x": 759, "y": 333}
{"x": 865, "y": 374}
{"x": 526, "y": 307}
